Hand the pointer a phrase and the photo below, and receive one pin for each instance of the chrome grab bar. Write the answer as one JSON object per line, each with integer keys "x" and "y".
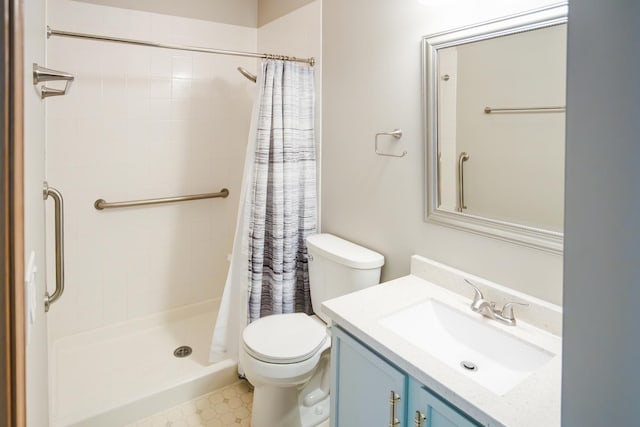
{"x": 101, "y": 204}
{"x": 59, "y": 233}
{"x": 463, "y": 157}
{"x": 558, "y": 109}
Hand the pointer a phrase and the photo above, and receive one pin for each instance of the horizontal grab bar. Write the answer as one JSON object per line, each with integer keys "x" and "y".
{"x": 558, "y": 109}
{"x": 101, "y": 204}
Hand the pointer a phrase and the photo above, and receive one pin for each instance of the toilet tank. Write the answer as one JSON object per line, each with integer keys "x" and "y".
{"x": 338, "y": 267}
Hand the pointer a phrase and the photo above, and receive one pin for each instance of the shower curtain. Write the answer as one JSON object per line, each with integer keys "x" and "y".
{"x": 278, "y": 207}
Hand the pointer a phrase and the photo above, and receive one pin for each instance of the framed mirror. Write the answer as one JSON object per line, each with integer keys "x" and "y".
{"x": 495, "y": 116}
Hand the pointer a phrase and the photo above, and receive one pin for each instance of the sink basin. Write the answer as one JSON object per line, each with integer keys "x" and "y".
{"x": 466, "y": 342}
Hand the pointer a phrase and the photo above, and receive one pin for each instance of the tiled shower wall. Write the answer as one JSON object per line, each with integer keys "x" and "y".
{"x": 140, "y": 123}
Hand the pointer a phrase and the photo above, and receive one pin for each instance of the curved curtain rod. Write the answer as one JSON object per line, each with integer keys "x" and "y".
{"x": 51, "y": 32}
{"x": 248, "y": 74}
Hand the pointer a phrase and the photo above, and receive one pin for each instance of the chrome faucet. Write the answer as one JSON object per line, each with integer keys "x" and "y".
{"x": 488, "y": 308}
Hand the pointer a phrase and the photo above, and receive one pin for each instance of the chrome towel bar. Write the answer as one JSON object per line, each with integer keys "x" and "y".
{"x": 101, "y": 204}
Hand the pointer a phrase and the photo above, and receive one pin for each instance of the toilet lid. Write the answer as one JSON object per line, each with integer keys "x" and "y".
{"x": 284, "y": 338}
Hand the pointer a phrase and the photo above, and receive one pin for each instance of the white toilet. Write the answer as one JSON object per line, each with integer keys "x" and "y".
{"x": 286, "y": 356}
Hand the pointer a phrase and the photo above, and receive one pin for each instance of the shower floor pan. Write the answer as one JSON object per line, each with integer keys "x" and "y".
{"x": 116, "y": 375}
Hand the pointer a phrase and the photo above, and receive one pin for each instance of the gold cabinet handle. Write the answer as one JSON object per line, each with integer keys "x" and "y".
{"x": 420, "y": 419}
{"x": 394, "y": 398}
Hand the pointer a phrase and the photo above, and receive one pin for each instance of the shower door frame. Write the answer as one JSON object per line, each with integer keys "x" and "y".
{"x": 12, "y": 325}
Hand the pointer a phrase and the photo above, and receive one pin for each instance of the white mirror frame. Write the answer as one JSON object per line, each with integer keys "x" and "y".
{"x": 524, "y": 235}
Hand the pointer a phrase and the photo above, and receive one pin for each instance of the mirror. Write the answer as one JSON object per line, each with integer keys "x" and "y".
{"x": 495, "y": 117}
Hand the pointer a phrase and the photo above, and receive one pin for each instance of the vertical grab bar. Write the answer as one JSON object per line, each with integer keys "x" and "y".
{"x": 463, "y": 157}
{"x": 59, "y": 233}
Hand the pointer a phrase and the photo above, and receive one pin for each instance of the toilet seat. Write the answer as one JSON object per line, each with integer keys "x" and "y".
{"x": 284, "y": 338}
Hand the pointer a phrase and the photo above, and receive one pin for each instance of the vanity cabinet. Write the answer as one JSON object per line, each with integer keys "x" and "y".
{"x": 367, "y": 390}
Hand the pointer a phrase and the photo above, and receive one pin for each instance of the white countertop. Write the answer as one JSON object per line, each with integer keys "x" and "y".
{"x": 533, "y": 402}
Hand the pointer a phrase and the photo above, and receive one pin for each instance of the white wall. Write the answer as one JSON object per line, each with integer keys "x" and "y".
{"x": 141, "y": 123}
{"x": 372, "y": 83}
{"x": 299, "y": 33}
{"x": 236, "y": 12}
{"x": 602, "y": 246}
{"x": 251, "y": 13}
{"x": 34, "y": 221}
{"x": 269, "y": 10}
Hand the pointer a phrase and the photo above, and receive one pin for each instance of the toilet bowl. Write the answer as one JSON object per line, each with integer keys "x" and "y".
{"x": 281, "y": 354}
{"x": 286, "y": 356}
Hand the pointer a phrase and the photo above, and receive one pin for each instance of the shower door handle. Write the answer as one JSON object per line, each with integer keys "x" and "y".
{"x": 59, "y": 233}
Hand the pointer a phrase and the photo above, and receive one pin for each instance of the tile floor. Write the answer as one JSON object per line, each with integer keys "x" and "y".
{"x": 229, "y": 406}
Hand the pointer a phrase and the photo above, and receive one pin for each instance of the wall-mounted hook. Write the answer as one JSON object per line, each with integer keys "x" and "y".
{"x": 42, "y": 74}
{"x": 397, "y": 134}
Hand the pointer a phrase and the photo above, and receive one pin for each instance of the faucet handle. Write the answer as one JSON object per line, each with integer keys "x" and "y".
{"x": 507, "y": 310}
{"x": 478, "y": 293}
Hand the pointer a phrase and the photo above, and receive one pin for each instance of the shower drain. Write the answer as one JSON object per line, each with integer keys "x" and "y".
{"x": 470, "y": 366}
{"x": 182, "y": 351}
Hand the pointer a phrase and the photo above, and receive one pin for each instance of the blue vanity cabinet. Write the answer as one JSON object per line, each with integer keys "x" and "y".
{"x": 366, "y": 390}
{"x": 429, "y": 410}
{"x": 369, "y": 391}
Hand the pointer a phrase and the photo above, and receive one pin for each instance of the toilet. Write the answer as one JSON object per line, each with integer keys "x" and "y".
{"x": 286, "y": 356}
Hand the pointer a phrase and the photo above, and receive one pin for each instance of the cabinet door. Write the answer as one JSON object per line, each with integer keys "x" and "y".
{"x": 362, "y": 386}
{"x": 436, "y": 411}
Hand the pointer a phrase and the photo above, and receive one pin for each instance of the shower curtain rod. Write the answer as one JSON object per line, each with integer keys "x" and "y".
{"x": 51, "y": 32}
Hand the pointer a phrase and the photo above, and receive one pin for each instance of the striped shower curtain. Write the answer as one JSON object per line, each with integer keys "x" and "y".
{"x": 284, "y": 192}
{"x": 278, "y": 207}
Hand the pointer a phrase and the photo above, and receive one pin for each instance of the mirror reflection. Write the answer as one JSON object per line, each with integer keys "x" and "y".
{"x": 495, "y": 115}
{"x": 501, "y": 120}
